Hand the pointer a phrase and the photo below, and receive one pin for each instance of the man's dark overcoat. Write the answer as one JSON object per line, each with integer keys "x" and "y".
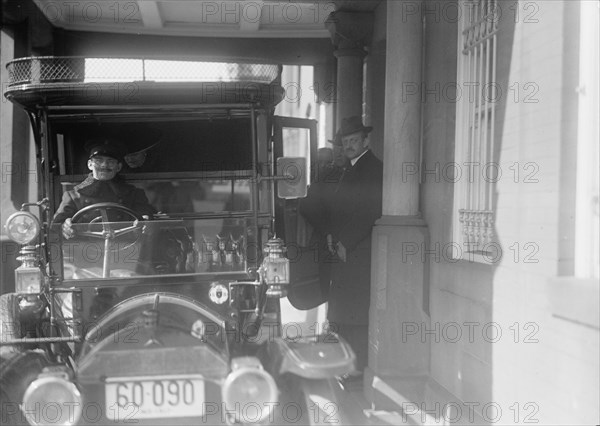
{"x": 316, "y": 209}
{"x": 356, "y": 205}
{"x": 92, "y": 191}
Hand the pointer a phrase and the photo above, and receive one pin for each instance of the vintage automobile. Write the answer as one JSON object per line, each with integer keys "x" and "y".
{"x": 173, "y": 318}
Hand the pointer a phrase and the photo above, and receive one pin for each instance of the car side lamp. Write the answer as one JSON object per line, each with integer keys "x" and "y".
{"x": 275, "y": 268}
{"x": 23, "y": 228}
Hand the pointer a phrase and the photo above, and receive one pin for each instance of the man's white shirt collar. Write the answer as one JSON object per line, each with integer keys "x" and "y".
{"x": 354, "y": 160}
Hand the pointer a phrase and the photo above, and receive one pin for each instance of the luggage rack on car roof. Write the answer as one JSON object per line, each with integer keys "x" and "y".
{"x": 61, "y": 69}
{"x": 75, "y": 81}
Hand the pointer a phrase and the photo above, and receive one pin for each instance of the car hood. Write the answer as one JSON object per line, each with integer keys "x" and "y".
{"x": 155, "y": 332}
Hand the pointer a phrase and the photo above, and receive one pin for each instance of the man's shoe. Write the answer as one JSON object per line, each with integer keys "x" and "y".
{"x": 350, "y": 382}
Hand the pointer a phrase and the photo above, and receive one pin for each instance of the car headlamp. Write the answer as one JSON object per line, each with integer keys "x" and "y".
{"x": 249, "y": 386}
{"x": 52, "y": 400}
{"x": 22, "y": 227}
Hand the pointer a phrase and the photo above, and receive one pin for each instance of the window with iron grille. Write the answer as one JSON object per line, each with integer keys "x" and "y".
{"x": 473, "y": 218}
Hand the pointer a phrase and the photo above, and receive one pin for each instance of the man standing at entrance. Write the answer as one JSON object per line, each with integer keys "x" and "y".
{"x": 356, "y": 205}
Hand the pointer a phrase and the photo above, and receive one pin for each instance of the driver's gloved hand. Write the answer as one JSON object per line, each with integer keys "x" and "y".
{"x": 67, "y": 229}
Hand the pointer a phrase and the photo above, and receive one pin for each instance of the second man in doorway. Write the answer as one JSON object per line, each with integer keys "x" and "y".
{"x": 356, "y": 205}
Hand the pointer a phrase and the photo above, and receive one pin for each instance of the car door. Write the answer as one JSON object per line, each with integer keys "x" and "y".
{"x": 297, "y": 137}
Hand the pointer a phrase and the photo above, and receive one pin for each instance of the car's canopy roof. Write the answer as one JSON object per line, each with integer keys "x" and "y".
{"x": 48, "y": 81}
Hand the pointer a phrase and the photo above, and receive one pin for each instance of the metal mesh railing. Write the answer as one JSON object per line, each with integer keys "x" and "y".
{"x": 50, "y": 69}
{"x": 45, "y": 69}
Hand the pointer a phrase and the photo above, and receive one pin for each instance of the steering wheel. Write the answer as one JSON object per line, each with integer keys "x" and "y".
{"x": 102, "y": 214}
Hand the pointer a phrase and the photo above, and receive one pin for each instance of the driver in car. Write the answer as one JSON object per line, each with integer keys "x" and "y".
{"x": 102, "y": 185}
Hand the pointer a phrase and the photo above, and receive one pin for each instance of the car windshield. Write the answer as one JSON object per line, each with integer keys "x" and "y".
{"x": 184, "y": 164}
{"x": 195, "y": 172}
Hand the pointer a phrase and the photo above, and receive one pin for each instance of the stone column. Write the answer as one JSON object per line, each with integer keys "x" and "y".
{"x": 402, "y": 110}
{"x": 374, "y": 96}
{"x": 350, "y": 33}
{"x": 399, "y": 273}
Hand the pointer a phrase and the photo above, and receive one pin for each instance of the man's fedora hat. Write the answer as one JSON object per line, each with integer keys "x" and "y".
{"x": 353, "y": 125}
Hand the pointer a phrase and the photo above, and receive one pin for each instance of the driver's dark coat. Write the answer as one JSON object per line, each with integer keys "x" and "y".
{"x": 92, "y": 191}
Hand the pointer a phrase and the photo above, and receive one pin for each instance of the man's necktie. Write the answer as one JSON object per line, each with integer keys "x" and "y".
{"x": 342, "y": 176}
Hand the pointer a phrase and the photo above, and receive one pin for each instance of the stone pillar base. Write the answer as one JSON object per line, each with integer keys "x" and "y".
{"x": 399, "y": 288}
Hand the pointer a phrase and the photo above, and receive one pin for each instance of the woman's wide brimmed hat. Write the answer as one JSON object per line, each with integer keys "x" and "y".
{"x": 110, "y": 143}
{"x": 337, "y": 140}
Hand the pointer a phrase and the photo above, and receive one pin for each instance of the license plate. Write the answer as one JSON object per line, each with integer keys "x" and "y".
{"x": 153, "y": 397}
